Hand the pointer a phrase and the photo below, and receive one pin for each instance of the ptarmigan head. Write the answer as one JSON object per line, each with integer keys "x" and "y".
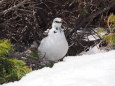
{"x": 57, "y": 22}
{"x": 56, "y": 26}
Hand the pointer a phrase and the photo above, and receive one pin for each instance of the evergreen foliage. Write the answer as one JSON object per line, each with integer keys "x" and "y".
{"x": 5, "y": 47}
{"x": 10, "y": 69}
{"x": 110, "y": 37}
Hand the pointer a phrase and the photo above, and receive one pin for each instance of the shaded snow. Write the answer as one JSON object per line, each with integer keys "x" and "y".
{"x": 94, "y": 50}
{"x": 92, "y": 38}
{"x": 85, "y": 70}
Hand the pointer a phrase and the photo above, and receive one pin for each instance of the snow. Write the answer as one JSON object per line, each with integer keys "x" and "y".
{"x": 94, "y": 50}
{"x": 92, "y": 38}
{"x": 86, "y": 70}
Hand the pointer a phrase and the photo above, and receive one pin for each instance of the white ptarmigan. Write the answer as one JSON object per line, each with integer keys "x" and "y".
{"x": 54, "y": 46}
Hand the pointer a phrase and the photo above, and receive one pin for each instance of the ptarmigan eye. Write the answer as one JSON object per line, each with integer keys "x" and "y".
{"x": 58, "y": 22}
{"x": 56, "y": 28}
{"x": 55, "y": 32}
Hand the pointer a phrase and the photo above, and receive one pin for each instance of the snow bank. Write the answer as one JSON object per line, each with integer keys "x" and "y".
{"x": 86, "y": 70}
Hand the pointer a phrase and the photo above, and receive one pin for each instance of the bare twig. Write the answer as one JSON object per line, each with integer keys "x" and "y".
{"x": 1, "y": 2}
{"x": 14, "y": 7}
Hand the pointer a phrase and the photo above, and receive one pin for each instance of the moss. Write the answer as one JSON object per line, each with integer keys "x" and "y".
{"x": 111, "y": 21}
{"x": 112, "y": 40}
{"x": 110, "y": 37}
{"x": 101, "y": 30}
{"x": 34, "y": 55}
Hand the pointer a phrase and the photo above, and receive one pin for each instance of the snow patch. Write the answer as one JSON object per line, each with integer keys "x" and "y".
{"x": 86, "y": 70}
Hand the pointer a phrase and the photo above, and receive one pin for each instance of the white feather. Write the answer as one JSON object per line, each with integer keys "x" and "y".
{"x": 54, "y": 46}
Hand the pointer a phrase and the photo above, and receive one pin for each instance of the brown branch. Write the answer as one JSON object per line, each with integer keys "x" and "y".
{"x": 1, "y": 2}
{"x": 90, "y": 18}
{"x": 14, "y": 7}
